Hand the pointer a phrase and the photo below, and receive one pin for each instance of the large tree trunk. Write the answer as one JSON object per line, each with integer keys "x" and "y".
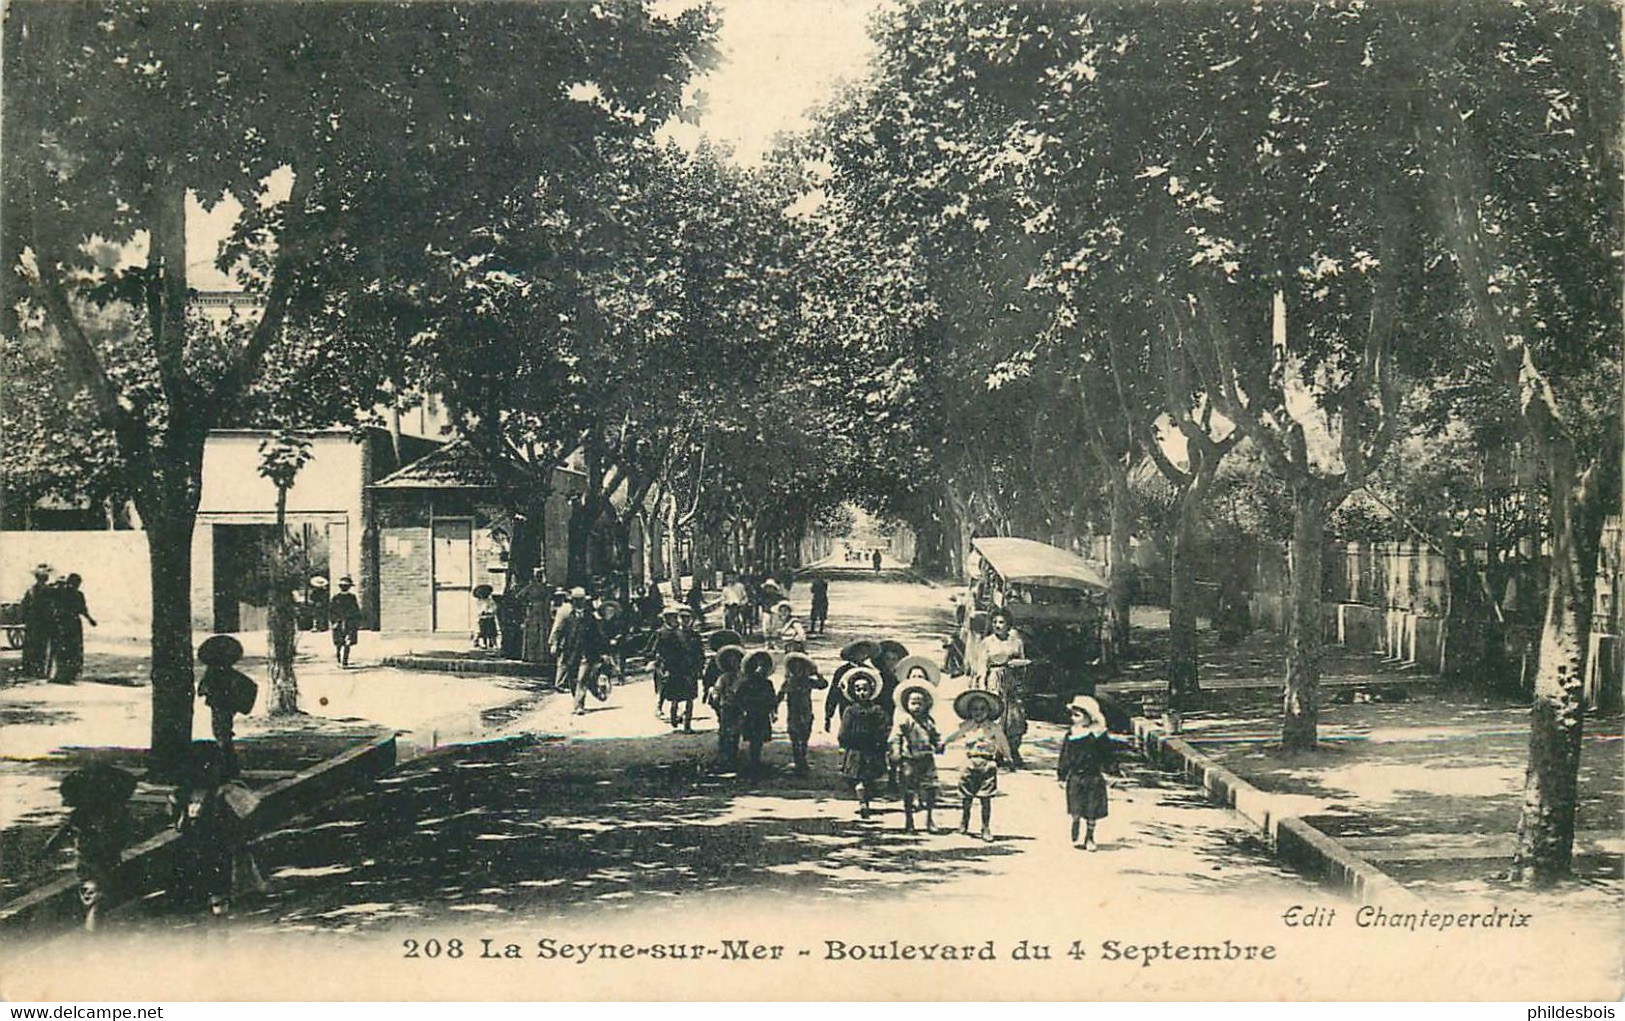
{"x": 1120, "y": 579}
{"x": 282, "y": 624}
{"x": 169, "y": 548}
{"x": 1183, "y": 670}
{"x": 1301, "y": 699}
{"x": 1546, "y": 825}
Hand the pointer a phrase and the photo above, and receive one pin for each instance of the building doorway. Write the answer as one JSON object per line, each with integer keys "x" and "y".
{"x": 453, "y": 573}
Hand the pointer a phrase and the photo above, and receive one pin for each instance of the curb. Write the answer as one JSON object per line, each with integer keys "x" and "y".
{"x": 56, "y": 904}
{"x": 453, "y": 665}
{"x": 1292, "y": 839}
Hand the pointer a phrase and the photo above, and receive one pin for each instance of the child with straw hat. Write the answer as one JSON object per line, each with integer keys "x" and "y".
{"x": 985, "y": 743}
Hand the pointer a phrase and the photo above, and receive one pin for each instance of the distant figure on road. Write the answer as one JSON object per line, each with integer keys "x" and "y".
{"x": 875, "y": 559}
{"x": 735, "y": 600}
{"x": 578, "y": 646}
{"x": 316, "y": 599}
{"x": 67, "y": 634}
{"x": 36, "y": 617}
{"x": 346, "y": 612}
{"x": 818, "y": 616}
{"x": 696, "y": 602}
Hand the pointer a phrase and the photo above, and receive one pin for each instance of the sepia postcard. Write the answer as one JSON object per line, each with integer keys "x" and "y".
{"x": 811, "y": 500}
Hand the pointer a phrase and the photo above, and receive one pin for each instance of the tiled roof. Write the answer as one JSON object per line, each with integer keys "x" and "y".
{"x": 457, "y": 465}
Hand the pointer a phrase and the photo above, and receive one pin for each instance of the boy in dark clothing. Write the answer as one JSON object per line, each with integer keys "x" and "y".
{"x": 227, "y": 691}
{"x": 818, "y": 616}
{"x": 345, "y": 610}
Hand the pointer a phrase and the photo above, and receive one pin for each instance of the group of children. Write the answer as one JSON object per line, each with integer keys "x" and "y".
{"x": 887, "y": 733}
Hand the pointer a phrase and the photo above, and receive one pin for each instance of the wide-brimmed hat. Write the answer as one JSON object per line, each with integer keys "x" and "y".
{"x": 933, "y": 672}
{"x": 965, "y": 699}
{"x": 483, "y": 591}
{"x": 219, "y": 650}
{"x": 716, "y": 640}
{"x": 673, "y": 611}
{"x": 890, "y": 647}
{"x": 859, "y": 651}
{"x": 346, "y": 580}
{"x": 904, "y": 690}
{"x": 42, "y": 568}
{"x": 318, "y": 581}
{"x": 864, "y": 674}
{"x": 734, "y": 651}
{"x": 609, "y": 605}
{"x": 97, "y": 784}
{"x": 578, "y": 593}
{"x": 783, "y": 607}
{"x": 1089, "y": 705}
{"x": 802, "y": 662}
{"x": 753, "y": 660}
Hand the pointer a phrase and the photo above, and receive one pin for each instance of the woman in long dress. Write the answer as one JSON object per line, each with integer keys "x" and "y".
{"x": 1004, "y": 654}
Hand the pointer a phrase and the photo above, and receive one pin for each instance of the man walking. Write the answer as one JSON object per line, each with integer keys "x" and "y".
{"x": 577, "y": 646}
{"x": 37, "y": 618}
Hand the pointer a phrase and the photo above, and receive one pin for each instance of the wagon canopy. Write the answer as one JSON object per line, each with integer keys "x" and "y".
{"x": 1026, "y": 562}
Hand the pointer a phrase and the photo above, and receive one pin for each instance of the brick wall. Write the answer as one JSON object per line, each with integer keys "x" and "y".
{"x": 405, "y": 579}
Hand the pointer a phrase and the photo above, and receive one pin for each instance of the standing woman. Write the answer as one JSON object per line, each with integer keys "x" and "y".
{"x": 1086, "y": 753}
{"x": 67, "y": 634}
{"x": 37, "y": 623}
{"x": 1005, "y": 654}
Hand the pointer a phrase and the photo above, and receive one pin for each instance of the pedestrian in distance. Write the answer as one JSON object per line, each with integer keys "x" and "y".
{"x": 723, "y": 694}
{"x": 696, "y": 602}
{"x": 801, "y": 679}
{"x": 67, "y": 633}
{"x": 97, "y": 797}
{"x": 1086, "y": 754}
{"x": 346, "y": 613}
{"x": 485, "y": 617}
{"x": 578, "y": 647}
{"x": 985, "y": 746}
{"x": 316, "y": 598}
{"x": 818, "y": 614}
{"x": 35, "y": 612}
{"x": 875, "y": 560}
{"x": 758, "y": 705}
{"x": 227, "y": 692}
{"x": 862, "y": 740}
{"x": 912, "y": 751}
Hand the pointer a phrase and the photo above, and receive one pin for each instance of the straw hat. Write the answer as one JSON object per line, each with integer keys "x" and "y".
{"x": 933, "y": 673}
{"x": 802, "y": 663}
{"x": 892, "y": 648}
{"x": 219, "y": 650}
{"x": 859, "y": 651}
{"x": 578, "y": 593}
{"x": 868, "y": 677}
{"x": 904, "y": 690}
{"x": 719, "y": 639}
{"x": 1089, "y": 705}
{"x": 753, "y": 662}
{"x": 672, "y": 613}
{"x": 784, "y": 608}
{"x": 966, "y": 699}
{"x": 734, "y": 652}
{"x": 318, "y": 581}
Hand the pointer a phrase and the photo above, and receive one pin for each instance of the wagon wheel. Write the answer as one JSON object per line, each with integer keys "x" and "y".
{"x": 14, "y": 636}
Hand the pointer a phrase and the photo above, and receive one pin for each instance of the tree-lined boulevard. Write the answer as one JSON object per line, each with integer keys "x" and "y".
{"x": 1205, "y": 278}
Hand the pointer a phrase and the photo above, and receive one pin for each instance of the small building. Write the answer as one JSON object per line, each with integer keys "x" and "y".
{"x": 444, "y": 528}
